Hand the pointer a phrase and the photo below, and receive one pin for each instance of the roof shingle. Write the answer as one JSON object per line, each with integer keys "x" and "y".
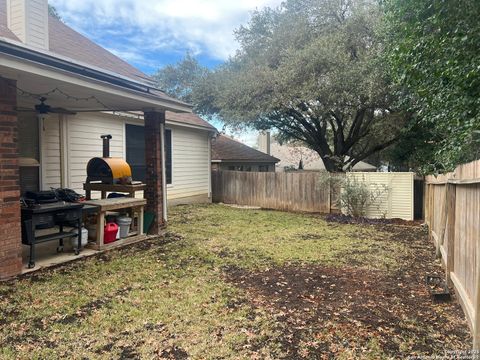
{"x": 68, "y": 43}
{"x": 188, "y": 118}
{"x": 224, "y": 148}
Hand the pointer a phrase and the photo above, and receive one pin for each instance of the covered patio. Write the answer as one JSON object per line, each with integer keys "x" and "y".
{"x": 73, "y": 91}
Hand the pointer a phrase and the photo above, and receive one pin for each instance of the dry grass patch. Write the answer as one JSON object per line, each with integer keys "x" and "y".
{"x": 236, "y": 284}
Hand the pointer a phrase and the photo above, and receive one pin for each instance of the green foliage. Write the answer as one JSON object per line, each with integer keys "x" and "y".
{"x": 434, "y": 51}
{"x": 179, "y": 80}
{"x": 356, "y": 196}
{"x": 313, "y": 71}
{"x": 52, "y": 11}
{"x": 352, "y": 195}
{"x": 412, "y": 152}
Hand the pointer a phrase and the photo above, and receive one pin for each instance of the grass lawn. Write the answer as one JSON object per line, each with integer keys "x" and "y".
{"x": 231, "y": 283}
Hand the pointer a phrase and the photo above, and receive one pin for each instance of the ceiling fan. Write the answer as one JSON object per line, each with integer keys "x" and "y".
{"x": 43, "y": 109}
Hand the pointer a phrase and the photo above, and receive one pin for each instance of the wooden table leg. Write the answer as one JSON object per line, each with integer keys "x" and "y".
{"x": 100, "y": 229}
{"x": 79, "y": 230}
{"x": 140, "y": 222}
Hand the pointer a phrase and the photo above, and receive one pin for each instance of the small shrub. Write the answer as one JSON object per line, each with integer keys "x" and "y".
{"x": 353, "y": 195}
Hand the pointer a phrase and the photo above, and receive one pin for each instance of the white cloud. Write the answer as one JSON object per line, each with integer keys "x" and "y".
{"x": 203, "y": 26}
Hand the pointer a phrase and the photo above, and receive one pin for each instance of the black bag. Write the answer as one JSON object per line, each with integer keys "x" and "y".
{"x": 68, "y": 195}
{"x": 41, "y": 197}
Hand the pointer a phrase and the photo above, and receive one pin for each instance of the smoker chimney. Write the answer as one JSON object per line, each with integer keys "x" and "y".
{"x": 28, "y": 20}
{"x": 106, "y": 145}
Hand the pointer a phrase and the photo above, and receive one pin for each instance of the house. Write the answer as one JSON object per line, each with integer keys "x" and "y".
{"x": 230, "y": 154}
{"x": 59, "y": 92}
{"x": 187, "y": 135}
{"x": 188, "y": 144}
{"x": 291, "y": 156}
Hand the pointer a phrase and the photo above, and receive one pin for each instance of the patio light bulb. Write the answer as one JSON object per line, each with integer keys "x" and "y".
{"x": 41, "y": 117}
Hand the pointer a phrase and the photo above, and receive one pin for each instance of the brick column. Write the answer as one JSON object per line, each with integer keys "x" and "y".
{"x": 10, "y": 230}
{"x": 154, "y": 126}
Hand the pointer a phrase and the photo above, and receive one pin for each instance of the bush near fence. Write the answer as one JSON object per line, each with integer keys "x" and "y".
{"x": 305, "y": 191}
{"x": 452, "y": 212}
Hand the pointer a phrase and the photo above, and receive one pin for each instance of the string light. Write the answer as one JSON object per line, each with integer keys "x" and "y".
{"x": 57, "y": 90}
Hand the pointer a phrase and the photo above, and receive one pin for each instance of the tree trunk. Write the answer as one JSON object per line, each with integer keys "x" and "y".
{"x": 330, "y": 165}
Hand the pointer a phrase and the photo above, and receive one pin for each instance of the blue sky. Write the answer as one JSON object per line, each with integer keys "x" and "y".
{"x": 152, "y": 34}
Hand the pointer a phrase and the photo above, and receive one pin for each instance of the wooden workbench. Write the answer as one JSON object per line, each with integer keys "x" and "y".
{"x": 118, "y": 188}
{"x": 136, "y": 207}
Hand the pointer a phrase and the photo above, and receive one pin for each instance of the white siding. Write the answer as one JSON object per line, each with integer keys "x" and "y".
{"x": 50, "y": 152}
{"x": 190, "y": 163}
{"x": 397, "y": 201}
{"x": 37, "y": 23}
{"x": 16, "y": 18}
{"x": 28, "y": 20}
{"x": 84, "y": 143}
{"x": 190, "y": 152}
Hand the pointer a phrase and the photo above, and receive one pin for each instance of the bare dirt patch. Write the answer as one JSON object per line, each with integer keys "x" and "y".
{"x": 347, "y": 219}
{"x": 325, "y": 311}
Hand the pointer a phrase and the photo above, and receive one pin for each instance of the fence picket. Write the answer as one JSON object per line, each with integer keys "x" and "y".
{"x": 461, "y": 254}
{"x": 280, "y": 191}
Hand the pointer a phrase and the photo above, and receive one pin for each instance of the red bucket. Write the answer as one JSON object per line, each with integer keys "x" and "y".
{"x": 110, "y": 233}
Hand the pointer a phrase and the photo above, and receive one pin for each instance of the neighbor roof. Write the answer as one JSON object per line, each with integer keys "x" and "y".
{"x": 226, "y": 149}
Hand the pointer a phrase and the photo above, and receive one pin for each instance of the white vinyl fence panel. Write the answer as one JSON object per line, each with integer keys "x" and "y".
{"x": 396, "y": 201}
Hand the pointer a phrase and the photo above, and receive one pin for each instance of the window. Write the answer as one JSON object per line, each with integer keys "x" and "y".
{"x": 168, "y": 155}
{"x": 29, "y": 152}
{"x": 263, "y": 168}
{"x": 135, "y": 152}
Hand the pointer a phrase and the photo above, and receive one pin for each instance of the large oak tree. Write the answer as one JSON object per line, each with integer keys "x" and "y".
{"x": 312, "y": 70}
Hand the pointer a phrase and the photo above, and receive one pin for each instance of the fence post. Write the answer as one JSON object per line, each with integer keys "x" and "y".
{"x": 329, "y": 196}
{"x": 476, "y": 313}
{"x": 451, "y": 204}
{"x": 444, "y": 219}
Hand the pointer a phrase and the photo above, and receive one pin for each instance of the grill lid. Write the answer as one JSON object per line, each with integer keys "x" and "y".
{"x": 109, "y": 170}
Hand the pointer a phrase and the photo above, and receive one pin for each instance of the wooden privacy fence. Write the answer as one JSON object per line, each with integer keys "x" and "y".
{"x": 304, "y": 191}
{"x": 452, "y": 212}
{"x": 291, "y": 191}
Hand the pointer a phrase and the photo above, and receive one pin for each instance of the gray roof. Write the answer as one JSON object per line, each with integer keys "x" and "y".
{"x": 188, "y": 118}
{"x": 226, "y": 149}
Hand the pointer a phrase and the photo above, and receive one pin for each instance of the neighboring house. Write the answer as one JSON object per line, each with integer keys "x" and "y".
{"x": 230, "y": 154}
{"x": 90, "y": 92}
{"x": 290, "y": 156}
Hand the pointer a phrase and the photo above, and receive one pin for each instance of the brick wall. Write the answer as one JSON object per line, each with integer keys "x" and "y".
{"x": 154, "y": 175}
{"x": 10, "y": 231}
